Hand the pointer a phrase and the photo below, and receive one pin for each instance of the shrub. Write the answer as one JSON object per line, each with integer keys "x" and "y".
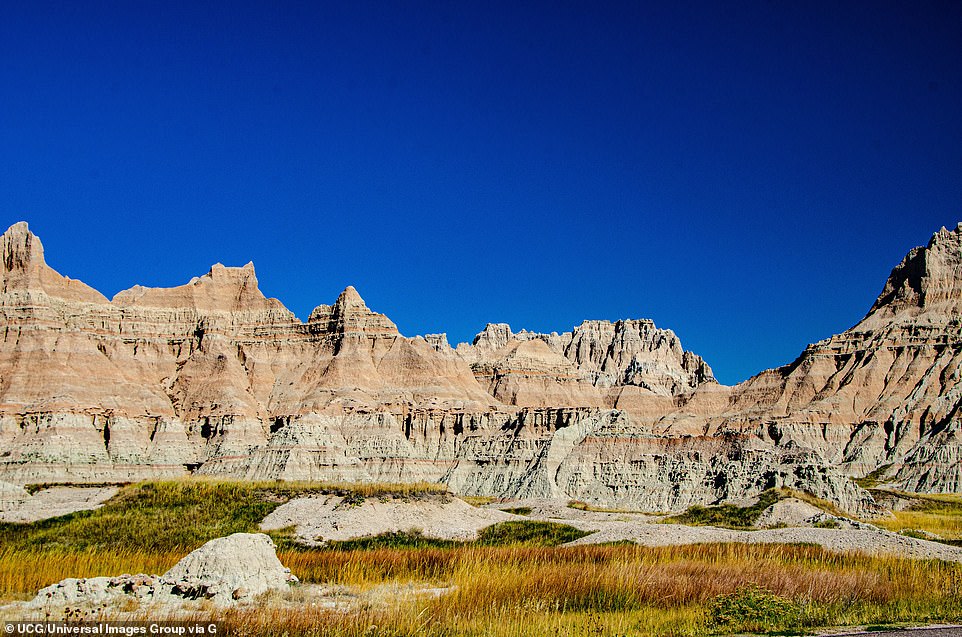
{"x": 529, "y": 533}
{"x": 727, "y": 515}
{"x": 753, "y": 609}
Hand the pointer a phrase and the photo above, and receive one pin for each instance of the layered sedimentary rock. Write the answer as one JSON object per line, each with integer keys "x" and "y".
{"x": 882, "y": 397}
{"x": 212, "y": 377}
{"x": 533, "y": 369}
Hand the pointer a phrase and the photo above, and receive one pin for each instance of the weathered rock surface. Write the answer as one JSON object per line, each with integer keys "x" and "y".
{"x": 19, "y": 506}
{"x": 579, "y": 368}
{"x": 212, "y": 377}
{"x": 12, "y": 496}
{"x": 230, "y": 568}
{"x": 883, "y": 396}
{"x": 863, "y": 538}
{"x": 789, "y": 512}
{"x": 321, "y": 519}
{"x": 224, "y": 571}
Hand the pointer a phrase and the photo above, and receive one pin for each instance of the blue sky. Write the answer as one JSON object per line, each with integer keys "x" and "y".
{"x": 745, "y": 174}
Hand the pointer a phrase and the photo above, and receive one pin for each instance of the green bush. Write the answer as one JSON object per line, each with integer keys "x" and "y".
{"x": 394, "y": 540}
{"x": 727, "y": 515}
{"x": 828, "y": 523}
{"x": 753, "y": 609}
{"x": 528, "y": 532}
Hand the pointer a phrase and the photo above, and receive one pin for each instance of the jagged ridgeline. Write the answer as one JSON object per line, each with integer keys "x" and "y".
{"x": 213, "y": 378}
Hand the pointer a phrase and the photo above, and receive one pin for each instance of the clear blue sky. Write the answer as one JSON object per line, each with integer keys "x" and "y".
{"x": 745, "y": 174}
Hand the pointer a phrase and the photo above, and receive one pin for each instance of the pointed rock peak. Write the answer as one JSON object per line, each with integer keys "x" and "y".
{"x": 929, "y": 277}
{"x": 19, "y": 228}
{"x": 349, "y": 298}
{"x": 21, "y": 248}
{"x": 223, "y": 289}
{"x": 350, "y": 315}
{"x": 23, "y": 268}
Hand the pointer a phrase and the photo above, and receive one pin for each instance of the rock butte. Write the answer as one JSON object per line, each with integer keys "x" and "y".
{"x": 213, "y": 378}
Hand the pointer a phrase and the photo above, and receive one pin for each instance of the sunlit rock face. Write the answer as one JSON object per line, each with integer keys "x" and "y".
{"x": 212, "y": 377}
{"x": 884, "y": 396}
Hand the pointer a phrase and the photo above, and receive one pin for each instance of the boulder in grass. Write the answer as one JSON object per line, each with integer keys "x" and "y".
{"x": 225, "y": 571}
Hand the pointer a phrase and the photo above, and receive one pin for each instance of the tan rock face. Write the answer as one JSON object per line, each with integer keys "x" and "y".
{"x": 587, "y": 367}
{"x": 215, "y": 378}
{"x": 882, "y": 395}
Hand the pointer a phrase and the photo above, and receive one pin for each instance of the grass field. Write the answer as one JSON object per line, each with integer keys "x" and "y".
{"x": 938, "y": 514}
{"x": 513, "y": 581}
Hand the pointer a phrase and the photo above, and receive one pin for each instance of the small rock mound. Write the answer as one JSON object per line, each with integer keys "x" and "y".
{"x": 16, "y": 505}
{"x": 789, "y": 512}
{"x": 225, "y": 571}
{"x": 319, "y": 519}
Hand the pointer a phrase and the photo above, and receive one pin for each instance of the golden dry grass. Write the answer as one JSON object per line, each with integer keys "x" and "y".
{"x": 23, "y": 573}
{"x": 940, "y": 514}
{"x": 613, "y": 590}
{"x": 626, "y": 575}
{"x": 494, "y": 591}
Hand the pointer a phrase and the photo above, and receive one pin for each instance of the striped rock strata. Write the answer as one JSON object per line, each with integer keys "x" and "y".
{"x": 213, "y": 378}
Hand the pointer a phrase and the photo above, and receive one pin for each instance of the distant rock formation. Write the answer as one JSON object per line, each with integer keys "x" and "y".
{"x": 212, "y": 377}
{"x": 588, "y": 367}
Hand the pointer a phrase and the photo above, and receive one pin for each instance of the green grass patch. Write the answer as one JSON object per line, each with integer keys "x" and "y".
{"x": 753, "y": 609}
{"x": 584, "y": 506}
{"x": 518, "y": 510}
{"x": 872, "y": 479}
{"x": 512, "y": 533}
{"x": 393, "y": 540}
{"x": 180, "y": 515}
{"x": 727, "y": 515}
{"x": 528, "y": 533}
{"x": 939, "y": 514}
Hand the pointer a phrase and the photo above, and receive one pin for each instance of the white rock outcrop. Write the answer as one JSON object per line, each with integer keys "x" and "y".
{"x": 224, "y": 571}
{"x": 320, "y": 519}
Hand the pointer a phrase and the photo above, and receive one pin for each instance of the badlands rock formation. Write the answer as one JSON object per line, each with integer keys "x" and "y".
{"x": 213, "y": 378}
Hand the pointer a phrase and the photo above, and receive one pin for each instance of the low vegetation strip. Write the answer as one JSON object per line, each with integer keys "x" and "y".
{"x": 627, "y": 590}
{"x": 727, "y": 515}
{"x": 179, "y": 516}
{"x": 940, "y": 515}
{"x": 512, "y": 581}
{"x": 744, "y": 518}
{"x": 513, "y": 533}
